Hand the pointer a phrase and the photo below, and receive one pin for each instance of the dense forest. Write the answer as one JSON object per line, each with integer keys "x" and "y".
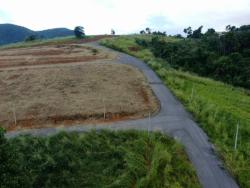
{"x": 223, "y": 56}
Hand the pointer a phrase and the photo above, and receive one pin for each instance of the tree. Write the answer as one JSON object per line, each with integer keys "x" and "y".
{"x": 230, "y": 28}
{"x": 148, "y": 30}
{"x": 197, "y": 33}
{"x": 31, "y": 38}
{"x": 230, "y": 42}
{"x": 159, "y": 33}
{"x": 179, "y": 36}
{"x": 142, "y": 32}
{"x": 210, "y": 32}
{"x": 188, "y": 31}
{"x": 79, "y": 32}
{"x": 112, "y": 32}
{"x": 193, "y": 34}
{"x": 244, "y": 28}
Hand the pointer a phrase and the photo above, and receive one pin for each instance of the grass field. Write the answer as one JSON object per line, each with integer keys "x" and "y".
{"x": 95, "y": 159}
{"x": 216, "y": 106}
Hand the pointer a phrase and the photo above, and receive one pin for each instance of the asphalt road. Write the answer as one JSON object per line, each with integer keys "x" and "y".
{"x": 172, "y": 120}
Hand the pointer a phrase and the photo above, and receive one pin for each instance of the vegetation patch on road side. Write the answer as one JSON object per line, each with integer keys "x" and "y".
{"x": 95, "y": 159}
{"x": 217, "y": 107}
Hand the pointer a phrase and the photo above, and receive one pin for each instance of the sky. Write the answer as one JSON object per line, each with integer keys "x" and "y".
{"x": 125, "y": 16}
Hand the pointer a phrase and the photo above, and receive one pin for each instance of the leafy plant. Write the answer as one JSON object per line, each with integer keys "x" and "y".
{"x": 95, "y": 159}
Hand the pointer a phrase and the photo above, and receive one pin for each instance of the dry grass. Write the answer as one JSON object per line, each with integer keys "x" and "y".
{"x": 49, "y": 54}
{"x": 66, "y": 95}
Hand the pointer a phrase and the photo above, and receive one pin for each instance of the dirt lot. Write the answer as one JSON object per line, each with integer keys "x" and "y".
{"x": 49, "y": 54}
{"x": 65, "y": 95}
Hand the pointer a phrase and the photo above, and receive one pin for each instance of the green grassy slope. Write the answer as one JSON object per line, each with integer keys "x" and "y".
{"x": 95, "y": 159}
{"x": 216, "y": 106}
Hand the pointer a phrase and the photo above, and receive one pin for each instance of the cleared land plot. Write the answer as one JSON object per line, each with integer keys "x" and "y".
{"x": 49, "y": 54}
{"x": 65, "y": 95}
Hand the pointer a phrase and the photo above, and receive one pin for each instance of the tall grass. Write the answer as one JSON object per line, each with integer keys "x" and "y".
{"x": 216, "y": 106}
{"x": 95, "y": 159}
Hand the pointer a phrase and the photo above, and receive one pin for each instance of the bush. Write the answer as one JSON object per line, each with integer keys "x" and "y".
{"x": 141, "y": 42}
{"x": 95, "y": 159}
{"x": 31, "y": 38}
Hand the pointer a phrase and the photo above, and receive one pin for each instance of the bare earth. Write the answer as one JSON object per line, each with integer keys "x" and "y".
{"x": 48, "y": 96}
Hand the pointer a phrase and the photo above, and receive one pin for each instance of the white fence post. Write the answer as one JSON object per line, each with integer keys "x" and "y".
{"x": 149, "y": 122}
{"x": 236, "y": 136}
{"x": 104, "y": 109}
{"x": 14, "y": 113}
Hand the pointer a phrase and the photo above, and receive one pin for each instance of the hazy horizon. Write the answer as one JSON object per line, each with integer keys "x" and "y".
{"x": 100, "y": 16}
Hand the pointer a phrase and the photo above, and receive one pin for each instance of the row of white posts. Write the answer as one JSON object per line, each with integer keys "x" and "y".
{"x": 237, "y": 127}
{"x": 149, "y": 120}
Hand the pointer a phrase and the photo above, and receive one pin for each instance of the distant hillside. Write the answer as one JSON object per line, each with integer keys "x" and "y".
{"x": 57, "y": 32}
{"x": 10, "y": 33}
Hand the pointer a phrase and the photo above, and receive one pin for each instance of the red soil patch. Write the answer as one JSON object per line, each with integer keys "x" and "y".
{"x": 133, "y": 49}
{"x": 66, "y": 121}
{"x": 58, "y": 96}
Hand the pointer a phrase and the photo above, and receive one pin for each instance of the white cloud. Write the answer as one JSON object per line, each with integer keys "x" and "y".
{"x": 99, "y": 16}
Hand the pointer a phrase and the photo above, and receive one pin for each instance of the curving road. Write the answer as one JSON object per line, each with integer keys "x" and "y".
{"x": 172, "y": 120}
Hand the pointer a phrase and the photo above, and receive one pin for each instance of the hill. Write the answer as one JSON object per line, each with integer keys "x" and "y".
{"x": 13, "y": 33}
{"x": 218, "y": 107}
{"x": 57, "y": 32}
{"x": 10, "y": 33}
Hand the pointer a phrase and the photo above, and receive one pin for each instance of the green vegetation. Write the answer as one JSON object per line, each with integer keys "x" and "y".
{"x": 79, "y": 32}
{"x": 95, "y": 159}
{"x": 224, "y": 57}
{"x": 112, "y": 32}
{"x": 31, "y": 38}
{"x": 217, "y": 107}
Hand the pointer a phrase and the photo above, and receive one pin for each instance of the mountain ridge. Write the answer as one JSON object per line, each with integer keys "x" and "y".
{"x": 11, "y": 33}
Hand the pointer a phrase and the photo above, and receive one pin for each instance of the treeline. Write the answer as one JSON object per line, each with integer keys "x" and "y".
{"x": 223, "y": 56}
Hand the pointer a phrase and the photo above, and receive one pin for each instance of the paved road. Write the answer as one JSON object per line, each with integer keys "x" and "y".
{"x": 172, "y": 120}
